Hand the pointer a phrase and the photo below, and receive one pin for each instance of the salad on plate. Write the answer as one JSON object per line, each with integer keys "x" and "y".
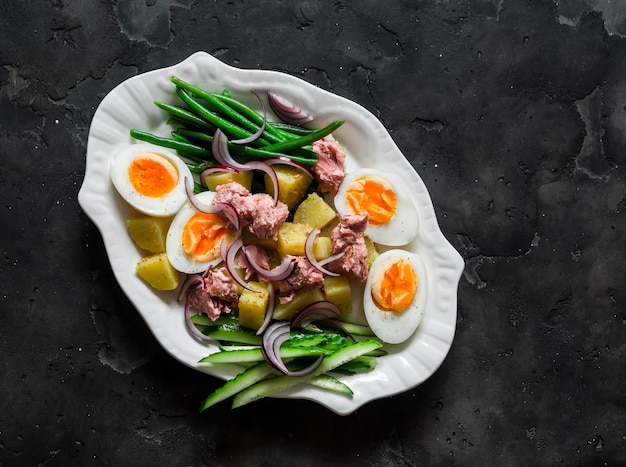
{"x": 290, "y": 266}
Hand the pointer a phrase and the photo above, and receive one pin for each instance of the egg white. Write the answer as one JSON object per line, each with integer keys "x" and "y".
{"x": 402, "y": 227}
{"x": 174, "y": 243}
{"x": 165, "y": 206}
{"x": 390, "y": 327}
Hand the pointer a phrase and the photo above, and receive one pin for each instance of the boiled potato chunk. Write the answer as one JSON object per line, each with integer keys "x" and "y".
{"x": 322, "y": 247}
{"x": 292, "y": 184}
{"x": 252, "y": 305}
{"x": 302, "y": 298}
{"x": 372, "y": 251}
{"x": 291, "y": 238}
{"x": 251, "y": 239}
{"x": 326, "y": 231}
{"x": 157, "y": 271}
{"x": 337, "y": 290}
{"x": 149, "y": 232}
{"x": 215, "y": 179}
{"x": 314, "y": 211}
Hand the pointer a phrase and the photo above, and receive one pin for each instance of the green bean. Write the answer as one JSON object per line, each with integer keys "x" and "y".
{"x": 178, "y": 137}
{"x": 264, "y": 154}
{"x": 251, "y": 114}
{"x": 199, "y": 168}
{"x": 222, "y": 123}
{"x": 293, "y": 129}
{"x": 194, "y": 135}
{"x": 306, "y": 139}
{"x": 302, "y": 155}
{"x": 184, "y": 115}
{"x": 232, "y": 109}
{"x": 187, "y": 148}
{"x": 198, "y": 187}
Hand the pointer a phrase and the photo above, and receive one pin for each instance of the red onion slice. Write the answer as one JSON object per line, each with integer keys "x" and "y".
{"x": 279, "y": 273}
{"x": 308, "y": 251}
{"x": 286, "y": 110}
{"x": 314, "y": 312}
{"x": 263, "y": 167}
{"x": 252, "y": 138}
{"x": 269, "y": 312}
{"x": 289, "y": 162}
{"x": 275, "y": 335}
{"x": 330, "y": 259}
{"x": 228, "y": 210}
{"x": 232, "y": 267}
{"x": 214, "y": 169}
{"x": 219, "y": 147}
{"x": 190, "y": 326}
{"x": 197, "y": 204}
{"x": 191, "y": 282}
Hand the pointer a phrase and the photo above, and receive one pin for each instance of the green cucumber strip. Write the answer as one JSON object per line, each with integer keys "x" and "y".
{"x": 231, "y": 347}
{"x": 335, "y": 341}
{"x": 243, "y": 380}
{"x": 357, "y": 329}
{"x": 232, "y": 333}
{"x": 330, "y": 383}
{"x": 280, "y": 383}
{"x": 304, "y": 341}
{"x": 358, "y": 365}
{"x": 204, "y": 320}
{"x": 377, "y": 353}
{"x": 256, "y": 355}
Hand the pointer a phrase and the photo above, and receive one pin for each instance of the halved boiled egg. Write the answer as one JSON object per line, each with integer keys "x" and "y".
{"x": 395, "y": 295}
{"x": 152, "y": 180}
{"x": 393, "y": 219}
{"x": 194, "y": 238}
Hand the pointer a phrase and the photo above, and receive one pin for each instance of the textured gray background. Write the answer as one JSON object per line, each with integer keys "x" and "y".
{"x": 513, "y": 113}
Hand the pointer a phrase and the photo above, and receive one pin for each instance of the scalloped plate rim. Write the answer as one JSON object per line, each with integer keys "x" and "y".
{"x": 407, "y": 365}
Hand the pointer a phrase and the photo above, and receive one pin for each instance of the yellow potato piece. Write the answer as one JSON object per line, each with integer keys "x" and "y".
{"x": 315, "y": 212}
{"x": 251, "y": 239}
{"x": 149, "y": 232}
{"x": 372, "y": 251}
{"x": 292, "y": 184}
{"x": 322, "y": 247}
{"x": 252, "y": 305}
{"x": 337, "y": 290}
{"x": 157, "y": 271}
{"x": 215, "y": 179}
{"x": 302, "y": 298}
{"x": 291, "y": 238}
{"x": 292, "y": 241}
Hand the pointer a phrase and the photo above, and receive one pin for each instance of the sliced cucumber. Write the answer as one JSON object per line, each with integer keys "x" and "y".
{"x": 204, "y": 320}
{"x": 330, "y": 383}
{"x": 271, "y": 386}
{"x": 304, "y": 341}
{"x": 358, "y": 365}
{"x": 354, "y": 329}
{"x": 243, "y": 380}
{"x": 256, "y": 355}
{"x": 232, "y": 333}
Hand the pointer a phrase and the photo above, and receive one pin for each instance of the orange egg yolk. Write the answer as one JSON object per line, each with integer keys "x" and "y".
{"x": 202, "y": 236}
{"x": 152, "y": 175}
{"x": 373, "y": 195}
{"x": 394, "y": 285}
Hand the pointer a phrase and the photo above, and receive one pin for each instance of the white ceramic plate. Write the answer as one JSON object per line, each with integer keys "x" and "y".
{"x": 130, "y": 105}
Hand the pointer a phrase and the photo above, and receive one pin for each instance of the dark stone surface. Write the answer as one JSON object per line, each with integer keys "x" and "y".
{"x": 513, "y": 113}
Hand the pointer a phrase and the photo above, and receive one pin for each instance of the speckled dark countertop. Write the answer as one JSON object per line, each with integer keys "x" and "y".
{"x": 512, "y": 112}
